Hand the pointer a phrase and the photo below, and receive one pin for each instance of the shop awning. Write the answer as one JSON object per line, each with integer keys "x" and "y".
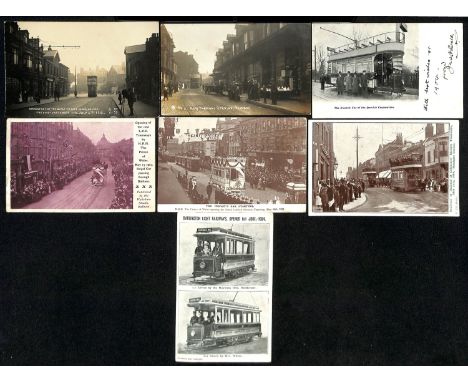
{"x": 385, "y": 174}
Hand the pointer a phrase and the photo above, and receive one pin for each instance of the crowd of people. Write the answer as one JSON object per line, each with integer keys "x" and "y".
{"x": 334, "y": 195}
{"x": 122, "y": 171}
{"x": 34, "y": 187}
{"x": 276, "y": 179}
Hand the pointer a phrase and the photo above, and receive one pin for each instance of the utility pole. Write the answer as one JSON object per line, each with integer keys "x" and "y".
{"x": 315, "y": 63}
{"x": 357, "y": 138}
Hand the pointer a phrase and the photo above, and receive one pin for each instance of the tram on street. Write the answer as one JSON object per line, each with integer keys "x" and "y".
{"x": 406, "y": 173}
{"x": 228, "y": 173}
{"x": 189, "y": 163}
{"x": 221, "y": 322}
{"x": 92, "y": 86}
{"x": 222, "y": 253}
{"x": 370, "y": 177}
{"x": 381, "y": 56}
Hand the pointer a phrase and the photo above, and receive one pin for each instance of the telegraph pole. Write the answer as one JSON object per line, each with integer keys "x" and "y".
{"x": 357, "y": 138}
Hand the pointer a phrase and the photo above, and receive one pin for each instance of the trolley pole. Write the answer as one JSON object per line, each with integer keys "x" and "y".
{"x": 357, "y": 138}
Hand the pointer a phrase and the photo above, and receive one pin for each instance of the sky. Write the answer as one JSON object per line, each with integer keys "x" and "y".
{"x": 371, "y": 133}
{"x": 259, "y": 299}
{"x": 188, "y": 242}
{"x": 327, "y": 39}
{"x": 101, "y": 43}
{"x": 114, "y": 131}
{"x": 201, "y": 40}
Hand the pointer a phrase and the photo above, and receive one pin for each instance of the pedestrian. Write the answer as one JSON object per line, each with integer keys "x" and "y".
{"x": 349, "y": 83}
{"x": 363, "y": 82}
{"x": 120, "y": 98}
{"x": 165, "y": 93}
{"x": 355, "y": 84}
{"x": 322, "y": 82}
{"x": 131, "y": 100}
{"x": 209, "y": 190}
{"x": 340, "y": 83}
{"x": 323, "y": 193}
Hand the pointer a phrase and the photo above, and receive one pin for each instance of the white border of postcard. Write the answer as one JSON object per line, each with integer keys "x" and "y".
{"x": 440, "y": 81}
{"x": 453, "y": 191}
{"x": 144, "y": 164}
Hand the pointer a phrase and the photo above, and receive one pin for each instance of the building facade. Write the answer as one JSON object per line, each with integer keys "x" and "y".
{"x": 436, "y": 152}
{"x": 187, "y": 68}
{"x": 168, "y": 65}
{"x": 272, "y": 54}
{"x": 142, "y": 69}
{"x": 323, "y": 157}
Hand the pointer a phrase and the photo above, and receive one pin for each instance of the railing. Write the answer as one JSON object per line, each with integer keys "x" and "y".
{"x": 382, "y": 38}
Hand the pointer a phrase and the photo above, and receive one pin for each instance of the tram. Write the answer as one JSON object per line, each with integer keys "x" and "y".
{"x": 406, "y": 173}
{"x": 228, "y": 173}
{"x": 381, "y": 56}
{"x": 370, "y": 177}
{"x": 219, "y": 323}
{"x": 190, "y": 163}
{"x": 222, "y": 253}
{"x": 92, "y": 86}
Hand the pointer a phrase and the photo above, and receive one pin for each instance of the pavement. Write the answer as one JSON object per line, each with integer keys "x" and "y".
{"x": 79, "y": 195}
{"x": 190, "y": 102}
{"x": 347, "y": 207}
{"x": 140, "y": 108}
{"x": 44, "y": 101}
{"x": 330, "y": 93}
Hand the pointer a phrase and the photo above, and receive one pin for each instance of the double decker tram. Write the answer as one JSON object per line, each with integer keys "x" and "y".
{"x": 381, "y": 56}
{"x": 189, "y": 163}
{"x": 370, "y": 177}
{"x": 406, "y": 173}
{"x": 220, "y": 323}
{"x": 222, "y": 253}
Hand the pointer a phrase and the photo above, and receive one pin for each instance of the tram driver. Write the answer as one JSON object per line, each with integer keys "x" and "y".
{"x": 194, "y": 319}
{"x": 199, "y": 248}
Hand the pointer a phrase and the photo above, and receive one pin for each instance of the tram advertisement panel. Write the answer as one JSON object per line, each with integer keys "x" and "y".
{"x": 224, "y": 283}
{"x": 70, "y": 165}
{"x": 387, "y": 70}
{"x": 385, "y": 168}
{"x": 232, "y": 164}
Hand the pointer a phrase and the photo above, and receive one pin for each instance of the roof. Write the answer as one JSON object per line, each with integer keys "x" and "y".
{"x": 194, "y": 302}
{"x": 51, "y": 53}
{"x": 135, "y": 49}
{"x": 213, "y": 230}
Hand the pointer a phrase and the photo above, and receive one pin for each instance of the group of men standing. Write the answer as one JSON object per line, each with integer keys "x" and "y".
{"x": 335, "y": 195}
{"x": 353, "y": 84}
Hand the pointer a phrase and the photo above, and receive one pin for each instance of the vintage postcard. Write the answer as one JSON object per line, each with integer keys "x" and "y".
{"x": 70, "y": 165}
{"x": 384, "y": 168}
{"x": 64, "y": 69}
{"x": 387, "y": 70}
{"x": 224, "y": 251}
{"x": 224, "y": 287}
{"x": 232, "y": 164}
{"x": 236, "y": 69}
{"x": 223, "y": 326}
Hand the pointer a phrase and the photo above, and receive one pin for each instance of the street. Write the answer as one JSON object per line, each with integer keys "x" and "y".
{"x": 102, "y": 106}
{"x": 195, "y": 102}
{"x": 330, "y": 94}
{"x": 79, "y": 194}
{"x": 170, "y": 191}
{"x": 388, "y": 201}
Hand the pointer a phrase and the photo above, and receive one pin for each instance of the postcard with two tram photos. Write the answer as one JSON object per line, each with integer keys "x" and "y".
{"x": 224, "y": 287}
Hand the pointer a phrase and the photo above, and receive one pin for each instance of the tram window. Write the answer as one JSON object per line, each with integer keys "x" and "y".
{"x": 232, "y": 318}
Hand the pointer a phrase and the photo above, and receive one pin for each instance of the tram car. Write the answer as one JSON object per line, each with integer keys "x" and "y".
{"x": 220, "y": 323}
{"x": 228, "y": 173}
{"x": 189, "y": 163}
{"x": 406, "y": 173}
{"x": 222, "y": 253}
{"x": 370, "y": 177}
{"x": 381, "y": 56}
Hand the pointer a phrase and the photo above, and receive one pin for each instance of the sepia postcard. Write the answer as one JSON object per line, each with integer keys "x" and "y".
{"x": 65, "y": 69}
{"x": 387, "y": 70}
{"x": 384, "y": 168}
{"x": 236, "y": 69}
{"x": 232, "y": 164}
{"x": 70, "y": 165}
